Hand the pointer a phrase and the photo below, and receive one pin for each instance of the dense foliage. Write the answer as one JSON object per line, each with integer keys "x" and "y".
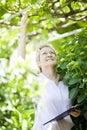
{"x": 16, "y": 91}
{"x": 72, "y": 65}
{"x": 45, "y": 17}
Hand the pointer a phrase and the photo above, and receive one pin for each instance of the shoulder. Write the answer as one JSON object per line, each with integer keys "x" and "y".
{"x": 42, "y": 80}
{"x": 42, "y": 77}
{"x": 61, "y": 83}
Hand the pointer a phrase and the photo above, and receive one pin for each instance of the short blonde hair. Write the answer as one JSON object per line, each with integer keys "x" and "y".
{"x": 39, "y": 50}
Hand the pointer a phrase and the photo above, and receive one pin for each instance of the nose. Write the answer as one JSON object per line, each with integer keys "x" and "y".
{"x": 49, "y": 54}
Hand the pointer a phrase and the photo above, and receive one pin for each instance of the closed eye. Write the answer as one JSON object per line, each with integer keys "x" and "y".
{"x": 52, "y": 52}
{"x": 44, "y": 53}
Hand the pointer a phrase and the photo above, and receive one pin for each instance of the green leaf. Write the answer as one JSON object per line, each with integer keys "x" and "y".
{"x": 63, "y": 66}
{"x": 14, "y": 20}
{"x": 33, "y": 1}
{"x": 45, "y": 32}
{"x": 85, "y": 115}
{"x": 66, "y": 9}
{"x": 77, "y": 5}
{"x": 67, "y": 76}
{"x": 81, "y": 97}
{"x": 73, "y": 92}
{"x": 1, "y": 115}
{"x": 85, "y": 91}
{"x": 81, "y": 85}
{"x": 82, "y": 23}
{"x": 2, "y": 11}
{"x": 62, "y": 2}
{"x": 73, "y": 80}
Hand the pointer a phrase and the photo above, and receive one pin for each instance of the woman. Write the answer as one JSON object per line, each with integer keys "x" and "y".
{"x": 53, "y": 94}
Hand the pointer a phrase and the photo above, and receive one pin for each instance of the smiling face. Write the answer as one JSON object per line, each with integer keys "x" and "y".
{"x": 47, "y": 57}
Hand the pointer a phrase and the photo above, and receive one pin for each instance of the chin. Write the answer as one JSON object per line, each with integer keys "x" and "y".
{"x": 51, "y": 64}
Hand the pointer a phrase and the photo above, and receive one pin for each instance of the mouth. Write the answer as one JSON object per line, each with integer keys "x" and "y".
{"x": 49, "y": 60}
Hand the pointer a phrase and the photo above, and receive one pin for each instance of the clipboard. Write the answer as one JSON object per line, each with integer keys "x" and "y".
{"x": 66, "y": 113}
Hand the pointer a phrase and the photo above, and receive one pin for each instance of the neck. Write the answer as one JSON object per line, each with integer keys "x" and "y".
{"x": 50, "y": 73}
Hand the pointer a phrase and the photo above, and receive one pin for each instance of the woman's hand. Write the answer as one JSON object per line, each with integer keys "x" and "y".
{"x": 75, "y": 113}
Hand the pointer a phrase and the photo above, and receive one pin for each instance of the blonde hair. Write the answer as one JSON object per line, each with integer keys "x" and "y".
{"x": 39, "y": 50}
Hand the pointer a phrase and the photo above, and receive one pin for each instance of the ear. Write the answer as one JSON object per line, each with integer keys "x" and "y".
{"x": 38, "y": 63}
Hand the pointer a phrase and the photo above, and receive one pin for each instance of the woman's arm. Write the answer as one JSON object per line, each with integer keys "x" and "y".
{"x": 75, "y": 113}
